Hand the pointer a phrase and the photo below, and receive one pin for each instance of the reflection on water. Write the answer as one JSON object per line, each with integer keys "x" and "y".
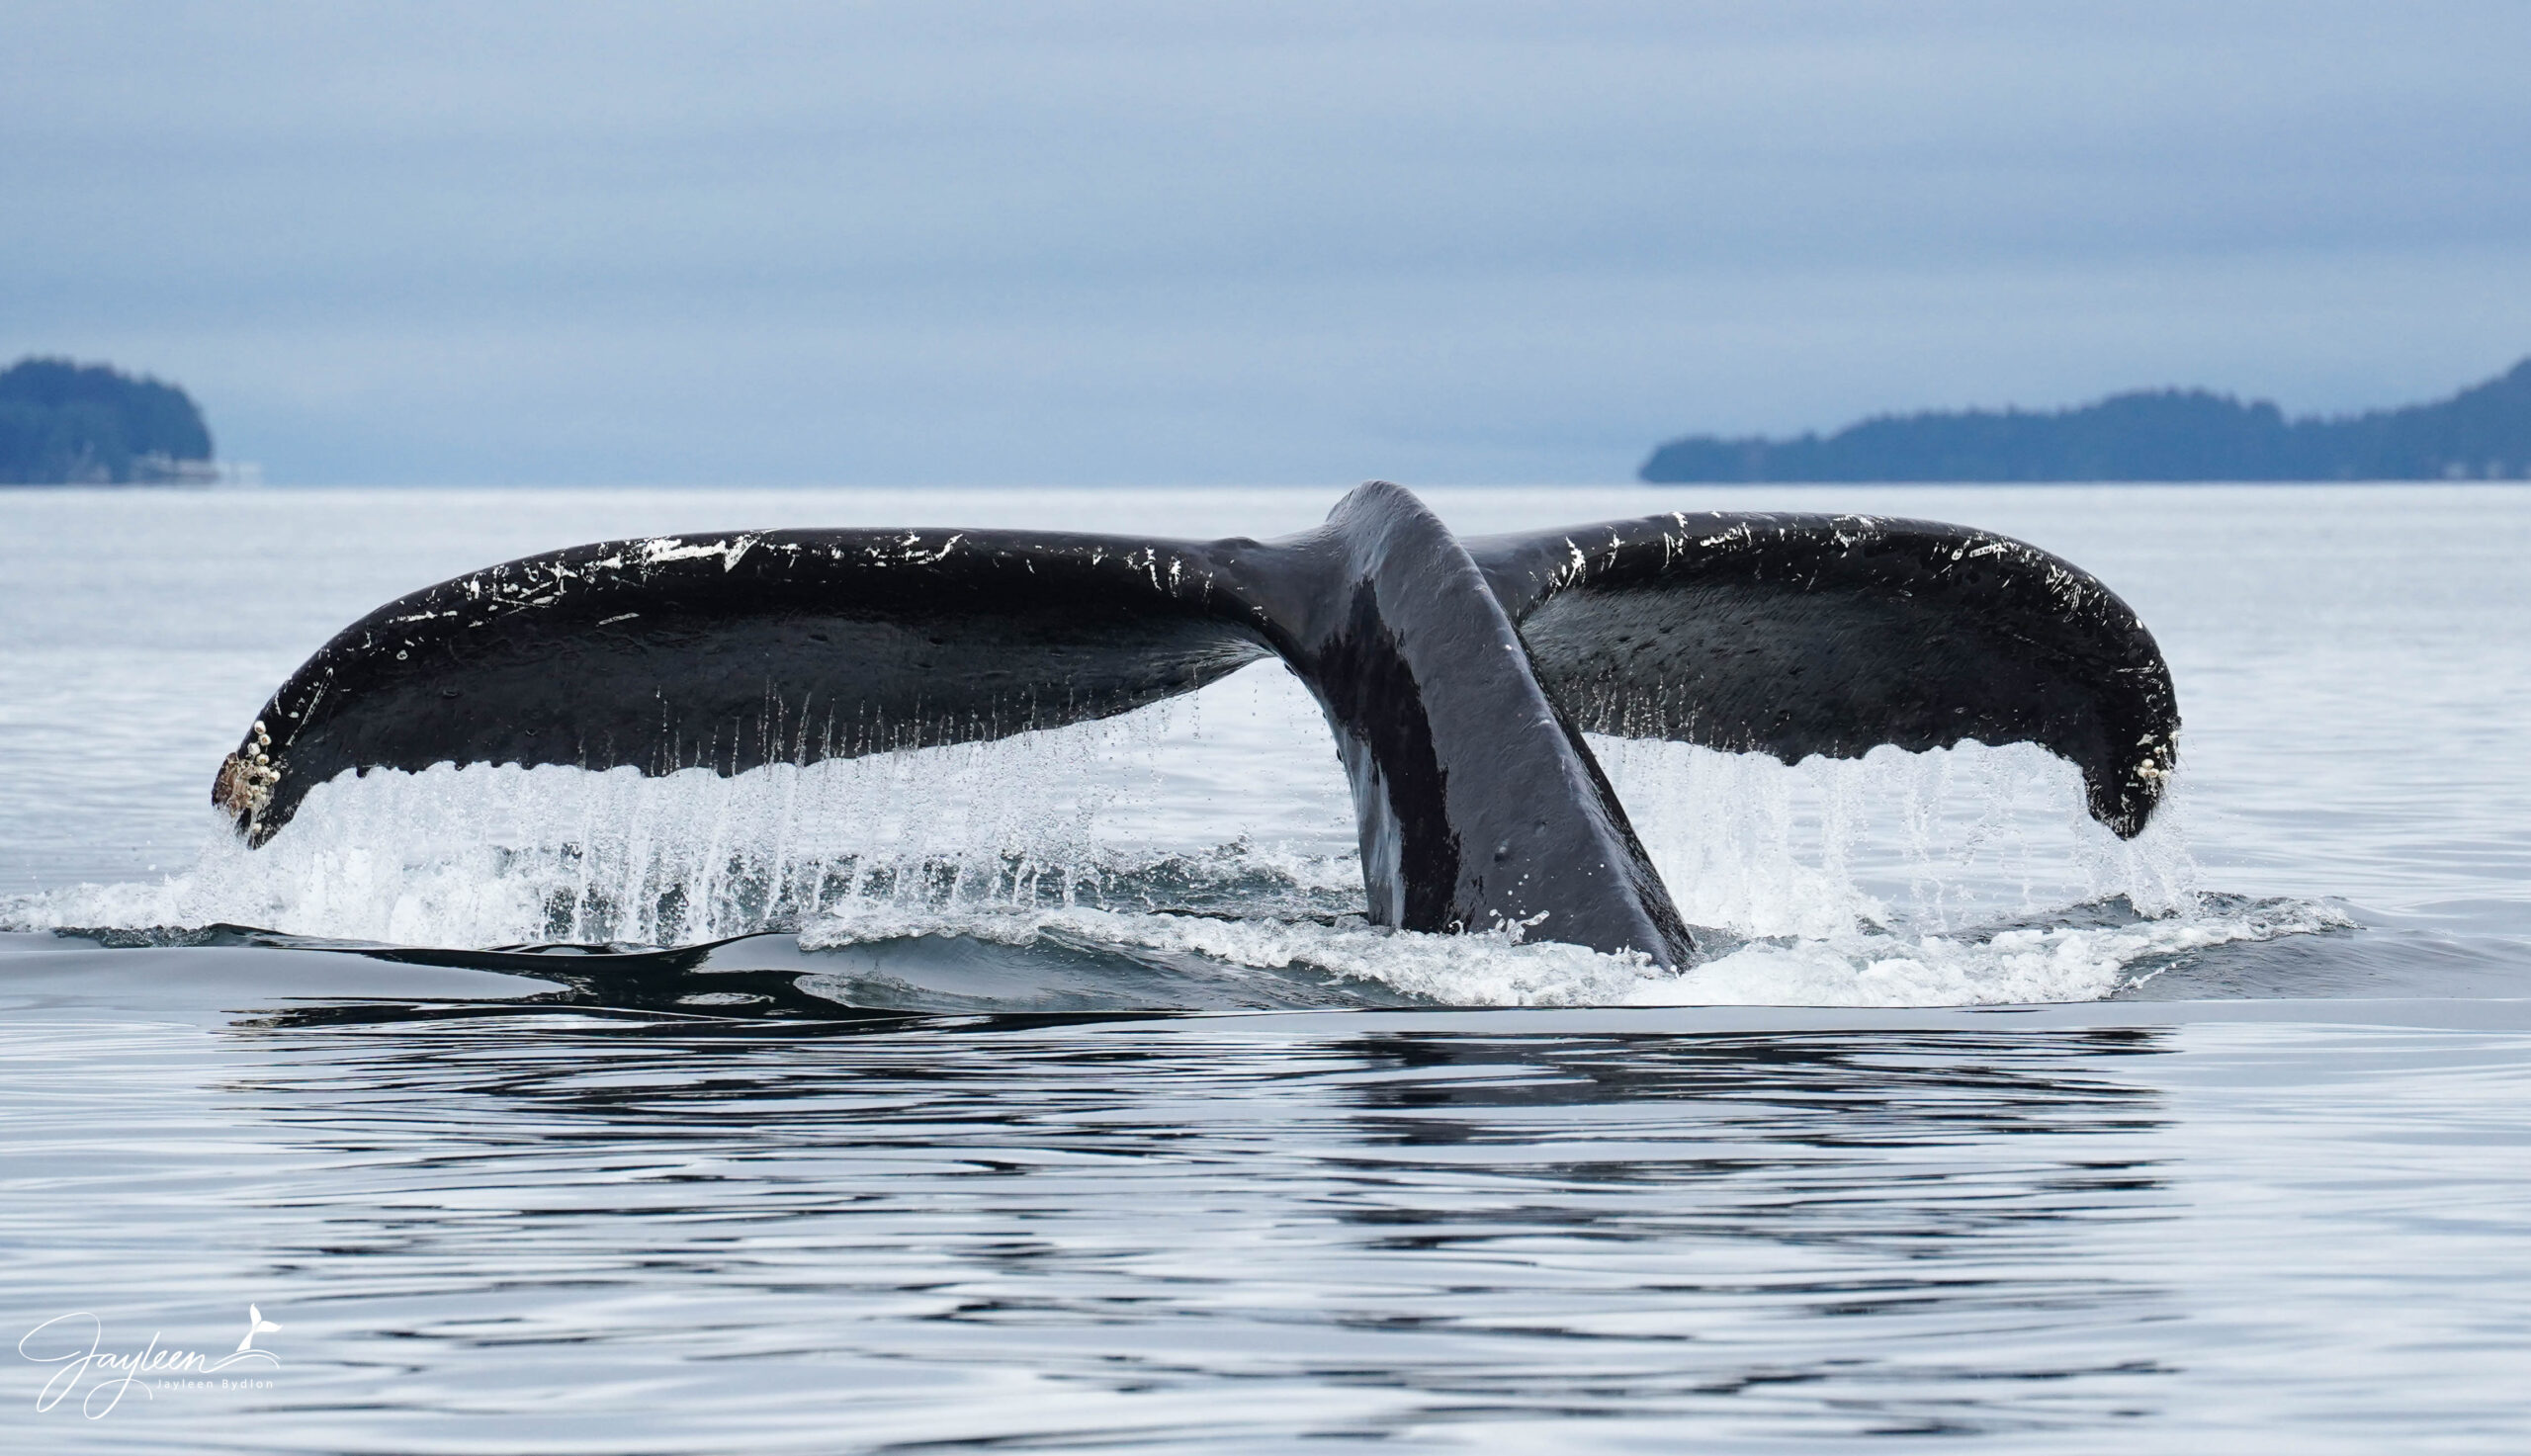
{"x": 1021, "y": 1232}
{"x": 611, "y": 1205}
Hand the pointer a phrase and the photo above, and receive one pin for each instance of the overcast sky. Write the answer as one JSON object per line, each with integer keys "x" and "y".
{"x": 921, "y": 242}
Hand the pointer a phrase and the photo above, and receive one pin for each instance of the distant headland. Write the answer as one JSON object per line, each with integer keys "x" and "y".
{"x": 72, "y": 424}
{"x": 2480, "y": 433}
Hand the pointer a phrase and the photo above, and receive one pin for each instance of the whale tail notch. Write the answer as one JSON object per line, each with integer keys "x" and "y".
{"x": 1457, "y": 677}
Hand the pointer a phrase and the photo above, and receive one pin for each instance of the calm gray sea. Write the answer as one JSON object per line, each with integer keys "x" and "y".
{"x": 1053, "y": 1094}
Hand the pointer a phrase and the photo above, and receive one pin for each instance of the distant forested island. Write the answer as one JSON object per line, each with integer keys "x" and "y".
{"x": 2480, "y": 433}
{"x": 72, "y": 424}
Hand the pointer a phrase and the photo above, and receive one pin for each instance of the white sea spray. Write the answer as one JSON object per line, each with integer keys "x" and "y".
{"x": 1959, "y": 877}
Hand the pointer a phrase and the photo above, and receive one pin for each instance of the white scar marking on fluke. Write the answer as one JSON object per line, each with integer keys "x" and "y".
{"x": 910, "y": 550}
{"x": 1572, "y": 570}
{"x": 622, "y": 617}
{"x": 661, "y": 550}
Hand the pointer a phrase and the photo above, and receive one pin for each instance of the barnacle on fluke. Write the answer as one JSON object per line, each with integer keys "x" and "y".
{"x": 244, "y": 787}
{"x": 1459, "y": 676}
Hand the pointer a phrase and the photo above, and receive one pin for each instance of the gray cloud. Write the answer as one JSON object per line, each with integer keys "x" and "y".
{"x": 1116, "y": 243}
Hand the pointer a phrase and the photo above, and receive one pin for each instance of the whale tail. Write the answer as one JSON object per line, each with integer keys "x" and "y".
{"x": 1456, "y": 677}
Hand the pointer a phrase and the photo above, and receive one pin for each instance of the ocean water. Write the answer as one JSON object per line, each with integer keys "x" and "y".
{"x": 1053, "y": 1093}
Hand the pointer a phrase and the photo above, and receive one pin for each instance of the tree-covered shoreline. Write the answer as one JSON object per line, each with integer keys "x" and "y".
{"x": 2480, "y": 433}
{"x": 71, "y": 424}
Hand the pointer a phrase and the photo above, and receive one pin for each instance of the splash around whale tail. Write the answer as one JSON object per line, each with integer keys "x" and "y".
{"x": 1458, "y": 676}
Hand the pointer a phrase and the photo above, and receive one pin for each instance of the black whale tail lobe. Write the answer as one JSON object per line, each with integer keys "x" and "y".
{"x": 1457, "y": 677}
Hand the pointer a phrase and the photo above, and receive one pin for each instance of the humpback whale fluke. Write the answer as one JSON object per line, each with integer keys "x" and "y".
{"x": 1458, "y": 676}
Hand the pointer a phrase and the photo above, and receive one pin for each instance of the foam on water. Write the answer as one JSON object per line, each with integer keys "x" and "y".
{"x": 2006, "y": 967}
{"x": 2011, "y": 966}
{"x": 1964, "y": 876}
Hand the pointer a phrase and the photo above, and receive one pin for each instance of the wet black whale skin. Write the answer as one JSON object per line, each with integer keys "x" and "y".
{"x": 1457, "y": 677}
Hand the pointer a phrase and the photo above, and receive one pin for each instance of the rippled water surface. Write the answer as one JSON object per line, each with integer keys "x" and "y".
{"x": 1054, "y": 1094}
